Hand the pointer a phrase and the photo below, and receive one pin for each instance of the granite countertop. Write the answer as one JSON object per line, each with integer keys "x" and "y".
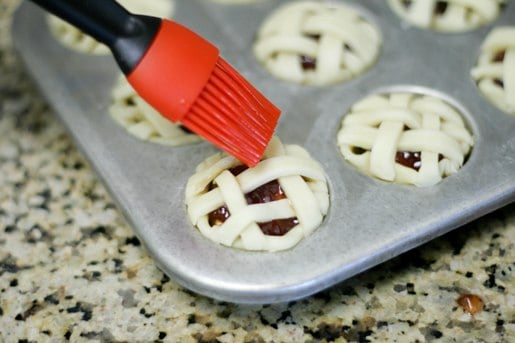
{"x": 72, "y": 269}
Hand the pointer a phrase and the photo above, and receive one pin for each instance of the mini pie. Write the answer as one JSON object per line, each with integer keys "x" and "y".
{"x": 141, "y": 120}
{"x": 270, "y": 207}
{"x": 405, "y": 138}
{"x": 316, "y": 43}
{"x": 75, "y": 39}
{"x": 495, "y": 69}
{"x": 447, "y": 15}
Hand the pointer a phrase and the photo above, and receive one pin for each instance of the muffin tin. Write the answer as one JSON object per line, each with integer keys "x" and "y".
{"x": 369, "y": 221}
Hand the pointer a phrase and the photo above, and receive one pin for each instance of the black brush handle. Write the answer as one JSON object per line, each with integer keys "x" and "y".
{"x": 127, "y": 35}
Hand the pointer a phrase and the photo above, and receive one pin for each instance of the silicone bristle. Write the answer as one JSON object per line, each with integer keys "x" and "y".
{"x": 233, "y": 115}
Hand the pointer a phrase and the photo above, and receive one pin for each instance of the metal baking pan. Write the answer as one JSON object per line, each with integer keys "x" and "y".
{"x": 369, "y": 221}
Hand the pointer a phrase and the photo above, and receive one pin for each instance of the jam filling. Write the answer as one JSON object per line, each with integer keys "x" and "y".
{"x": 310, "y": 63}
{"x": 406, "y": 3}
{"x": 499, "y": 82}
{"x": 268, "y": 192}
{"x": 440, "y": 7}
{"x": 219, "y": 216}
{"x": 307, "y": 62}
{"x": 130, "y": 102}
{"x": 409, "y": 159}
{"x": 358, "y": 151}
{"x": 185, "y": 129}
{"x": 498, "y": 58}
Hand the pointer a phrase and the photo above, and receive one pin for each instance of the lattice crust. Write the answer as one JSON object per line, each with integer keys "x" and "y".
{"x": 495, "y": 69}
{"x": 381, "y": 129}
{"x": 73, "y": 38}
{"x": 141, "y": 120}
{"x": 447, "y": 15}
{"x": 301, "y": 178}
{"x": 316, "y": 43}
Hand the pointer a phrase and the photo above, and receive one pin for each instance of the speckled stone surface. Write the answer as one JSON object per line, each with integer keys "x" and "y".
{"x": 72, "y": 269}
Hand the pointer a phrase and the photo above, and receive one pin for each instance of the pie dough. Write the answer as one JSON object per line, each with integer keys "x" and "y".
{"x": 141, "y": 120}
{"x": 300, "y": 177}
{"x": 75, "y": 39}
{"x": 495, "y": 69}
{"x": 405, "y": 138}
{"x": 447, "y": 15}
{"x": 316, "y": 43}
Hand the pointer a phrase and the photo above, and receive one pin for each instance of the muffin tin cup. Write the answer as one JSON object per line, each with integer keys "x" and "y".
{"x": 369, "y": 221}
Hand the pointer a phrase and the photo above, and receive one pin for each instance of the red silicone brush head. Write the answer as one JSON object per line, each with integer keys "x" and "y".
{"x": 183, "y": 77}
{"x": 233, "y": 115}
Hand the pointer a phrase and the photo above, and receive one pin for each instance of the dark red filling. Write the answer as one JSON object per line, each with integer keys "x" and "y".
{"x": 409, "y": 159}
{"x": 268, "y": 192}
{"x": 310, "y": 63}
{"x": 130, "y": 102}
{"x": 406, "y": 3}
{"x": 219, "y": 215}
{"x": 440, "y": 7}
{"x": 358, "y": 151}
{"x": 499, "y": 57}
{"x": 307, "y": 62}
{"x": 185, "y": 129}
{"x": 406, "y": 158}
{"x": 499, "y": 82}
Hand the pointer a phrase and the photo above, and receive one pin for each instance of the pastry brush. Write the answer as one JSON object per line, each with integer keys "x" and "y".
{"x": 180, "y": 74}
